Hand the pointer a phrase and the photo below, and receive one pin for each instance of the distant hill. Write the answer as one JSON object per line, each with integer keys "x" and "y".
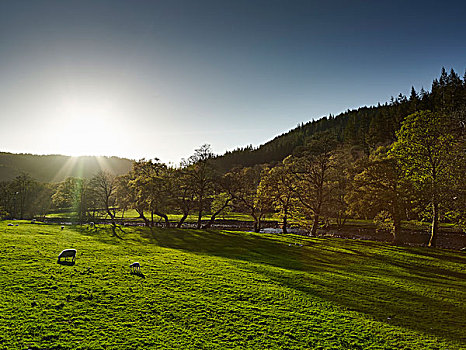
{"x": 365, "y": 127}
{"x": 55, "y": 168}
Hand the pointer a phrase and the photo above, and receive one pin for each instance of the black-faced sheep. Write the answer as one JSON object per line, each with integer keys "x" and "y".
{"x": 67, "y": 253}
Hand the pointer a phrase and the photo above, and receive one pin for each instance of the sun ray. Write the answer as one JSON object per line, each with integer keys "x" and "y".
{"x": 66, "y": 170}
{"x": 103, "y": 164}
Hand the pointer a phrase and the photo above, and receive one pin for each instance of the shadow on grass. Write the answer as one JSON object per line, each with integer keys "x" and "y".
{"x": 416, "y": 288}
{"x": 138, "y": 274}
{"x": 66, "y": 263}
{"x": 47, "y": 233}
{"x": 441, "y": 254}
{"x": 102, "y": 233}
{"x": 381, "y": 299}
{"x": 237, "y": 245}
{"x": 401, "y": 286}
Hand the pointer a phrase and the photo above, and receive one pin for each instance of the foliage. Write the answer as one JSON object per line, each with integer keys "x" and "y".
{"x": 244, "y": 183}
{"x": 341, "y": 179}
{"x": 380, "y": 187}
{"x": 384, "y": 221}
{"x": 201, "y": 175}
{"x": 278, "y": 188}
{"x": 218, "y": 204}
{"x": 74, "y": 193}
{"x": 311, "y": 169}
{"x": 429, "y": 154}
{"x": 183, "y": 193}
{"x": 146, "y": 188}
{"x": 103, "y": 188}
{"x": 24, "y": 197}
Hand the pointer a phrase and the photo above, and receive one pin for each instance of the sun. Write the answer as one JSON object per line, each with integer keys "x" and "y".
{"x": 87, "y": 126}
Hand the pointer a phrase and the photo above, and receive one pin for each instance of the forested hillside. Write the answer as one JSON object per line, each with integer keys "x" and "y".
{"x": 55, "y": 168}
{"x": 366, "y": 127}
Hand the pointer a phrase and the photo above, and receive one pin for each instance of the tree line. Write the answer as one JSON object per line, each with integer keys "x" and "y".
{"x": 418, "y": 173}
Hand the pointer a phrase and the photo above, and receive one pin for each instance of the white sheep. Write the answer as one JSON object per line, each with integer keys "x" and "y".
{"x": 67, "y": 253}
{"x": 62, "y": 227}
{"x": 135, "y": 267}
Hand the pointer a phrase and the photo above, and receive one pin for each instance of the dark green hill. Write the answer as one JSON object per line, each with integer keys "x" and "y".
{"x": 365, "y": 127}
{"x": 55, "y": 168}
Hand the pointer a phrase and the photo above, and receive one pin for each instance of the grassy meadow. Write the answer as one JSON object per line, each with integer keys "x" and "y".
{"x": 224, "y": 290}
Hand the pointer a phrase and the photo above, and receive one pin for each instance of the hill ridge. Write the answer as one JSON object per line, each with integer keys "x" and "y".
{"x": 56, "y": 167}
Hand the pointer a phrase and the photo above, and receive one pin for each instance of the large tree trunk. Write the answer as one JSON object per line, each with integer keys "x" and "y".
{"x": 256, "y": 226}
{"x": 396, "y": 222}
{"x": 80, "y": 213}
{"x": 256, "y": 222}
{"x": 396, "y": 229}
{"x": 285, "y": 222}
{"x": 214, "y": 215}
{"x": 259, "y": 222}
{"x": 199, "y": 218}
{"x": 315, "y": 224}
{"x": 434, "y": 232}
{"x": 143, "y": 217}
{"x": 182, "y": 220}
{"x": 112, "y": 219}
{"x": 164, "y": 216}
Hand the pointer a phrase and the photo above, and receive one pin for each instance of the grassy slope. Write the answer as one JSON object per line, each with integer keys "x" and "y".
{"x": 225, "y": 290}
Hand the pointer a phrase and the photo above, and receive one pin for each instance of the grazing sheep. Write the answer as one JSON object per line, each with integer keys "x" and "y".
{"x": 67, "y": 253}
{"x": 11, "y": 225}
{"x": 91, "y": 224}
{"x": 135, "y": 267}
{"x": 62, "y": 227}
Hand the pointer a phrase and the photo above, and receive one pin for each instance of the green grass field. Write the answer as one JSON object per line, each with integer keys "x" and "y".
{"x": 225, "y": 290}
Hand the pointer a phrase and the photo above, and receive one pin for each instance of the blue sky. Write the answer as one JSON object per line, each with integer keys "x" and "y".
{"x": 160, "y": 78}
